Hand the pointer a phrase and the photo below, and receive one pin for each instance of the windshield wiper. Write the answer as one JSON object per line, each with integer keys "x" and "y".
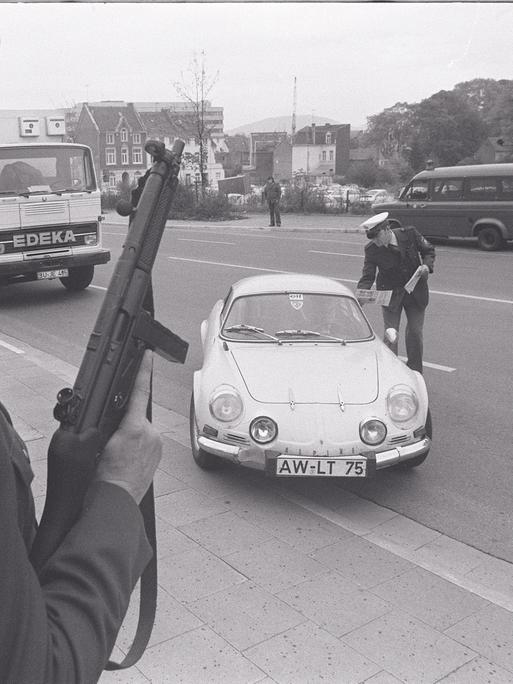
{"x": 242, "y": 327}
{"x": 307, "y": 333}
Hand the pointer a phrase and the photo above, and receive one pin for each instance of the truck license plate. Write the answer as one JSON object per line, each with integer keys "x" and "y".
{"x": 287, "y": 466}
{"x": 58, "y": 273}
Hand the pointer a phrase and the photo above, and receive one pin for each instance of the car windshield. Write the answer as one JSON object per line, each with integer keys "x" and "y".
{"x": 295, "y": 316}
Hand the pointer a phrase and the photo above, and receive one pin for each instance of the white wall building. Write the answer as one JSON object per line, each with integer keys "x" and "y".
{"x": 32, "y": 125}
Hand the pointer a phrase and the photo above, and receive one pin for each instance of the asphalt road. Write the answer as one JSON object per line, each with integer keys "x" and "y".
{"x": 464, "y": 488}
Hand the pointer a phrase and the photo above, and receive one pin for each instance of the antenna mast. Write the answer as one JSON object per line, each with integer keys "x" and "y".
{"x": 294, "y": 111}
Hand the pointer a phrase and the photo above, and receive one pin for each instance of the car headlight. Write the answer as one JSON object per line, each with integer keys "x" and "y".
{"x": 402, "y": 403}
{"x": 90, "y": 239}
{"x": 225, "y": 404}
{"x": 263, "y": 429}
{"x": 373, "y": 431}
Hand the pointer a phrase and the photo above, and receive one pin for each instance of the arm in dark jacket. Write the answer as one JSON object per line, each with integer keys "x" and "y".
{"x": 61, "y": 628}
{"x": 426, "y": 249}
{"x": 368, "y": 273}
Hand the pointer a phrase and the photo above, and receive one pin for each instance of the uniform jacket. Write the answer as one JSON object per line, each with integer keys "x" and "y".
{"x": 272, "y": 192}
{"x": 60, "y": 628}
{"x": 395, "y": 267}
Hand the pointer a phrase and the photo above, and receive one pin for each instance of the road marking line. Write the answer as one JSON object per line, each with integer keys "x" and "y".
{"x": 316, "y": 251}
{"x": 98, "y": 287}
{"x": 343, "y": 280}
{"x": 436, "y": 366}
{"x": 10, "y": 347}
{"x": 212, "y": 242}
{"x": 466, "y": 296}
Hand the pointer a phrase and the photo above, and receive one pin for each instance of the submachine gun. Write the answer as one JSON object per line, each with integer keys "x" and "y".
{"x": 90, "y": 412}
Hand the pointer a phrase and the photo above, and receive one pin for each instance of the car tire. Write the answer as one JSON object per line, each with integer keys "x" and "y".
{"x": 490, "y": 239}
{"x": 414, "y": 462}
{"x": 79, "y": 278}
{"x": 202, "y": 458}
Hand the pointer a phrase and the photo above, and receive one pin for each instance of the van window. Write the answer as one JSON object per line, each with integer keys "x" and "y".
{"x": 506, "y": 188}
{"x": 417, "y": 190}
{"x": 481, "y": 189}
{"x": 447, "y": 189}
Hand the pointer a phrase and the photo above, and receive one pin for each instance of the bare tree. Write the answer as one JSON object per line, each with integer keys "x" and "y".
{"x": 195, "y": 87}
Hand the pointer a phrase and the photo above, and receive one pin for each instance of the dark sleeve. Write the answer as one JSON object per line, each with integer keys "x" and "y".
{"x": 61, "y": 628}
{"x": 368, "y": 273}
{"x": 426, "y": 249}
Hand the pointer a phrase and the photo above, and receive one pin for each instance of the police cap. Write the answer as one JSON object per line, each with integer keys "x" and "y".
{"x": 374, "y": 224}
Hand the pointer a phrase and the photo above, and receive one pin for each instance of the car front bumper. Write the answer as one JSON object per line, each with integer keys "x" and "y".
{"x": 258, "y": 458}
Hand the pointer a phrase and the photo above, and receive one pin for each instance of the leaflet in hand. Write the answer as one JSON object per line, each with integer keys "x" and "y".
{"x": 374, "y": 296}
{"x": 410, "y": 285}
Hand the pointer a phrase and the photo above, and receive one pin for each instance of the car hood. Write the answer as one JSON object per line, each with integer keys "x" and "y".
{"x": 307, "y": 374}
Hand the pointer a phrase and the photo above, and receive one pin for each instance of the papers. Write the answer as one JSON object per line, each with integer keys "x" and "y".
{"x": 374, "y": 296}
{"x": 410, "y": 285}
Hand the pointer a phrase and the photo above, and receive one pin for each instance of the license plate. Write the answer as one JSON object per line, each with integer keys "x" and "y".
{"x": 58, "y": 273}
{"x": 287, "y": 466}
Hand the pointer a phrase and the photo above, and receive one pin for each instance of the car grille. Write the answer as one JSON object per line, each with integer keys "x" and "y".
{"x": 237, "y": 439}
{"x": 398, "y": 439}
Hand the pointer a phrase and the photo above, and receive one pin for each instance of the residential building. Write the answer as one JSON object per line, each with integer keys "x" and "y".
{"x": 321, "y": 151}
{"x": 213, "y": 116}
{"x": 164, "y": 125}
{"x": 236, "y": 157}
{"x": 32, "y": 125}
{"x": 115, "y": 133}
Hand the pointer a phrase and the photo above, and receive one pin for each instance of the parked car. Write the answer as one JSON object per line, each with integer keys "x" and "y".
{"x": 295, "y": 382}
{"x": 339, "y": 195}
{"x": 376, "y": 196}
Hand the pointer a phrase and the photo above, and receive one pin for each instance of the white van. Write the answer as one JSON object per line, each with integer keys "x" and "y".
{"x": 50, "y": 214}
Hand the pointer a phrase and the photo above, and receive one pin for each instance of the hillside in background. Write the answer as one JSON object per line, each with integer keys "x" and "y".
{"x": 280, "y": 123}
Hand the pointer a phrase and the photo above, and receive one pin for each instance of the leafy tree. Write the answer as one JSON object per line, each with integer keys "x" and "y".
{"x": 391, "y": 130}
{"x": 446, "y": 128}
{"x": 482, "y": 95}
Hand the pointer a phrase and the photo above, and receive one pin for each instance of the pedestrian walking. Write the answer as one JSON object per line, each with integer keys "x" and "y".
{"x": 392, "y": 257}
{"x": 272, "y": 194}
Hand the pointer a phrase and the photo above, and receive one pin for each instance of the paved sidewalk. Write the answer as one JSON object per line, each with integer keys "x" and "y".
{"x": 329, "y": 223}
{"x": 288, "y": 582}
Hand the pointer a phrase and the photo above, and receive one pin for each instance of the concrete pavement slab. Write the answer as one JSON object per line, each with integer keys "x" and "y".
{"x": 307, "y": 654}
{"x": 246, "y": 615}
{"x": 408, "y": 648}
{"x": 272, "y": 582}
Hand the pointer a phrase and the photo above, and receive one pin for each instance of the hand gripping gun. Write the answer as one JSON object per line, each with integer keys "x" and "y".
{"x": 90, "y": 412}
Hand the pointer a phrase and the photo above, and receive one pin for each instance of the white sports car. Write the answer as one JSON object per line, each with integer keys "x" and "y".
{"x": 295, "y": 382}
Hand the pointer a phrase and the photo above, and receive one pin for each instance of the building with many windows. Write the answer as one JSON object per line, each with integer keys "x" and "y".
{"x": 115, "y": 133}
{"x": 321, "y": 152}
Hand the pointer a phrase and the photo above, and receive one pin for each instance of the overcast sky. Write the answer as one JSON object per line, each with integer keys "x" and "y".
{"x": 350, "y": 60}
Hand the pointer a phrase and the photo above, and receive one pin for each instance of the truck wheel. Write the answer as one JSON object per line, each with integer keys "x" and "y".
{"x": 202, "y": 458}
{"x": 414, "y": 462}
{"x": 79, "y": 278}
{"x": 490, "y": 239}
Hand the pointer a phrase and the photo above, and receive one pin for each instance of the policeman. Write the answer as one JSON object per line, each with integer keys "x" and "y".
{"x": 392, "y": 256}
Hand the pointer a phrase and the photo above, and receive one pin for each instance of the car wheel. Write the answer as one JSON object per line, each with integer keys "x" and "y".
{"x": 414, "y": 462}
{"x": 490, "y": 239}
{"x": 79, "y": 278}
{"x": 202, "y": 458}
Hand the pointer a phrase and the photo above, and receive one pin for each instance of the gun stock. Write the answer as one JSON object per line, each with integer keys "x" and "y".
{"x": 91, "y": 411}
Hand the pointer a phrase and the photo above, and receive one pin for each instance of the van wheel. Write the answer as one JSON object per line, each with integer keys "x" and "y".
{"x": 490, "y": 239}
{"x": 202, "y": 458}
{"x": 79, "y": 278}
{"x": 414, "y": 462}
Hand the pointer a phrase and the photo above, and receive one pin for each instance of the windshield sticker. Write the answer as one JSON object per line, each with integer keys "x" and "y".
{"x": 296, "y": 300}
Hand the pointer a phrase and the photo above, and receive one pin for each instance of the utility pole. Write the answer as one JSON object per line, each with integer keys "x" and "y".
{"x": 294, "y": 103}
